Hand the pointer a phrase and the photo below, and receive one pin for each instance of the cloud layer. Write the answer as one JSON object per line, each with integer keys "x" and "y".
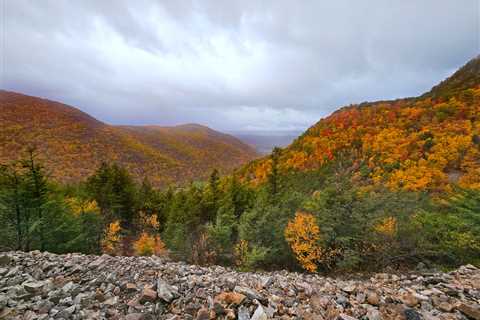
{"x": 232, "y": 65}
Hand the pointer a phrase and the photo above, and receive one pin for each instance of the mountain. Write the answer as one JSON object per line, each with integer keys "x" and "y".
{"x": 72, "y": 144}
{"x": 426, "y": 143}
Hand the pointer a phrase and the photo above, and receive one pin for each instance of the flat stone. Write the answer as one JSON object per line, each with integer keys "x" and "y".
{"x": 470, "y": 310}
{"x": 131, "y": 287}
{"x": 350, "y": 288}
{"x": 111, "y": 301}
{"x": 135, "y": 316}
{"x": 445, "y": 306}
{"x": 250, "y": 293}
{"x": 34, "y": 287}
{"x": 230, "y": 298}
{"x": 148, "y": 295}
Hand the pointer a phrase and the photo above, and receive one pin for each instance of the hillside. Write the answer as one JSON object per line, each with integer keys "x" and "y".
{"x": 43, "y": 285}
{"x": 72, "y": 144}
{"x": 415, "y": 144}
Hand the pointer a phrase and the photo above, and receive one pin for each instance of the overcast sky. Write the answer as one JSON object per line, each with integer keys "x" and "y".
{"x": 232, "y": 65}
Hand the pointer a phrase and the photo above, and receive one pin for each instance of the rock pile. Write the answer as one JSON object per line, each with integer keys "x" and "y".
{"x": 38, "y": 285}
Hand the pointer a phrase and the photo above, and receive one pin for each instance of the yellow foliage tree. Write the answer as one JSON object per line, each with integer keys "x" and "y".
{"x": 303, "y": 235}
{"x": 111, "y": 243}
{"x": 387, "y": 226}
{"x": 80, "y": 206}
{"x": 147, "y": 245}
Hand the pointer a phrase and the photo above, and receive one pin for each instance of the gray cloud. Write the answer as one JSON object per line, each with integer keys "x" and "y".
{"x": 231, "y": 64}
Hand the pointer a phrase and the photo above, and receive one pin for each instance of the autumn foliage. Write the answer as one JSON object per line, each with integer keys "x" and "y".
{"x": 303, "y": 235}
{"x": 111, "y": 243}
{"x": 427, "y": 143}
{"x": 76, "y": 143}
{"x": 147, "y": 245}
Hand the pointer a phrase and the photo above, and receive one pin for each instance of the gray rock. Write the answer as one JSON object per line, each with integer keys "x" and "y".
{"x": 34, "y": 287}
{"x": 411, "y": 314}
{"x": 243, "y": 313}
{"x": 45, "y": 286}
{"x": 65, "y": 313}
{"x": 135, "y": 316}
{"x": 68, "y": 287}
{"x": 250, "y": 293}
{"x": 165, "y": 292}
{"x": 259, "y": 314}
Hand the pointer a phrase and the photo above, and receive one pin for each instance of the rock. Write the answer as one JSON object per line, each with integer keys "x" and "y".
{"x": 65, "y": 313}
{"x": 135, "y": 316}
{"x": 250, "y": 293}
{"x": 5, "y": 260}
{"x": 230, "y": 298}
{"x": 230, "y": 315}
{"x": 411, "y": 314}
{"x": 373, "y": 298}
{"x": 445, "y": 306}
{"x": 148, "y": 295}
{"x": 165, "y": 292}
{"x": 259, "y": 314}
{"x": 34, "y": 287}
{"x": 5, "y": 313}
{"x": 470, "y": 310}
{"x": 131, "y": 287}
{"x": 44, "y": 286}
{"x": 68, "y": 287}
{"x": 318, "y": 302}
{"x": 243, "y": 313}
{"x": 99, "y": 296}
{"x": 373, "y": 314}
{"x": 203, "y": 314}
{"x": 350, "y": 288}
{"x": 3, "y": 301}
{"x": 266, "y": 281}
{"x": 111, "y": 301}
{"x": 409, "y": 299}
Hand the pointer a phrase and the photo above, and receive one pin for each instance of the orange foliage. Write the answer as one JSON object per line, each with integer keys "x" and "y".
{"x": 303, "y": 236}
{"x": 411, "y": 144}
{"x": 387, "y": 226}
{"x": 111, "y": 243}
{"x": 147, "y": 245}
{"x": 72, "y": 144}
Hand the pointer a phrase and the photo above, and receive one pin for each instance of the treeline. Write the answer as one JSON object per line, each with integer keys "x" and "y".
{"x": 318, "y": 220}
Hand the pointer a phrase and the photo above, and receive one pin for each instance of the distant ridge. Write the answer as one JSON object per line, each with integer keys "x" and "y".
{"x": 72, "y": 143}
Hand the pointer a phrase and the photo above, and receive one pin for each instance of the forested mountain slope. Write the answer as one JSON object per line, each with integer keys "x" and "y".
{"x": 72, "y": 144}
{"x": 415, "y": 144}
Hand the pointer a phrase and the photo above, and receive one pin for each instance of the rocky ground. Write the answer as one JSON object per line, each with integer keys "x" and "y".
{"x": 47, "y": 286}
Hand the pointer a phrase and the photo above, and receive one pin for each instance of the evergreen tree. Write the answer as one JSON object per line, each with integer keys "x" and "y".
{"x": 273, "y": 175}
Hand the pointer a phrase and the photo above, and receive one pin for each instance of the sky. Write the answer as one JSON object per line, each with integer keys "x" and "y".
{"x": 232, "y": 65}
